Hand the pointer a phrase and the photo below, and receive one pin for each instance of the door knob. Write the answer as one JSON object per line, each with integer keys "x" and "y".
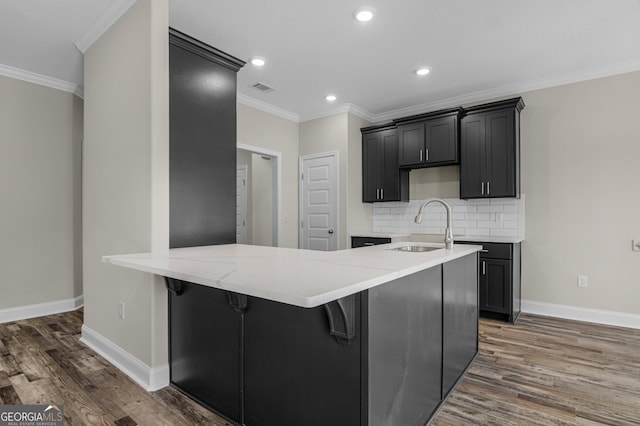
{"x": 330, "y": 231}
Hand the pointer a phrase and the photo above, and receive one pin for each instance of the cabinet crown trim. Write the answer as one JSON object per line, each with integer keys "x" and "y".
{"x": 516, "y": 103}
{"x": 193, "y": 45}
{"x": 388, "y": 126}
{"x": 433, "y": 114}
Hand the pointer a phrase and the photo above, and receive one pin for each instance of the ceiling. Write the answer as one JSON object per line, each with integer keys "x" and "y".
{"x": 475, "y": 49}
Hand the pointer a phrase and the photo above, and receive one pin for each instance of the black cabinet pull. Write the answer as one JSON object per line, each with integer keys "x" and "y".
{"x": 342, "y": 318}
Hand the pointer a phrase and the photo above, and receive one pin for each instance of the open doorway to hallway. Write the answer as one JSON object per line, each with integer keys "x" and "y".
{"x": 258, "y": 196}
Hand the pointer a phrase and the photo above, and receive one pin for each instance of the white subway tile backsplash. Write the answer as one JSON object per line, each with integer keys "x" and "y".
{"x": 482, "y": 217}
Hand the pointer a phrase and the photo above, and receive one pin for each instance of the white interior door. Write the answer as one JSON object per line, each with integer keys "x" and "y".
{"x": 319, "y": 202}
{"x": 241, "y": 205}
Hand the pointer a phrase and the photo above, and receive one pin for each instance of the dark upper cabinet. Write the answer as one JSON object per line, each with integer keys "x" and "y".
{"x": 490, "y": 150}
{"x": 202, "y": 143}
{"x": 429, "y": 140}
{"x": 382, "y": 180}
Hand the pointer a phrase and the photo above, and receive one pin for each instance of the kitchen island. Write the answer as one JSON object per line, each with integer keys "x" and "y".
{"x": 276, "y": 336}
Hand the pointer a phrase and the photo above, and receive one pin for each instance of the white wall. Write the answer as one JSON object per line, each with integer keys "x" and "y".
{"x": 125, "y": 172}
{"x": 580, "y": 151}
{"x": 579, "y": 154}
{"x": 40, "y": 180}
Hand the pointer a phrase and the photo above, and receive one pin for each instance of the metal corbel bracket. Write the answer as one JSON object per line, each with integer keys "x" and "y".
{"x": 342, "y": 318}
{"x": 174, "y": 285}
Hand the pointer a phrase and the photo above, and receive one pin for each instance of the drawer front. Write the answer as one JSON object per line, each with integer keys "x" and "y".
{"x": 368, "y": 241}
{"x": 493, "y": 250}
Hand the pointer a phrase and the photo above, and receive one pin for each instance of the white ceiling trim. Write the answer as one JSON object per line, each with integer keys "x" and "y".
{"x": 102, "y": 24}
{"x": 266, "y": 107}
{"x": 348, "y": 108}
{"x": 40, "y": 79}
{"x": 511, "y": 90}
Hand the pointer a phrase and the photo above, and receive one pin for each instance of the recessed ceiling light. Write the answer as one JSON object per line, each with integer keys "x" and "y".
{"x": 364, "y": 15}
{"x": 331, "y": 98}
{"x": 257, "y": 61}
{"x": 423, "y": 71}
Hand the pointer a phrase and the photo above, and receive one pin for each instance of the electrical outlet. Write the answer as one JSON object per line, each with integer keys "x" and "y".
{"x": 582, "y": 281}
{"x": 121, "y": 310}
{"x": 636, "y": 245}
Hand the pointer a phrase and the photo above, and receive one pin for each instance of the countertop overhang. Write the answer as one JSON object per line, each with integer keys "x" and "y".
{"x": 304, "y": 278}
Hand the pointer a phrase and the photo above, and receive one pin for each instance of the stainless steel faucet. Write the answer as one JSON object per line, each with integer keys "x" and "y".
{"x": 448, "y": 233}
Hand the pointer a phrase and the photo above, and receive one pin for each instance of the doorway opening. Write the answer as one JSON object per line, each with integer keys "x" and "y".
{"x": 258, "y": 215}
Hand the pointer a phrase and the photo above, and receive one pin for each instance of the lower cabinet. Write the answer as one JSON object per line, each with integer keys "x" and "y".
{"x": 499, "y": 280}
{"x": 205, "y": 337}
{"x": 386, "y": 356}
{"x": 459, "y": 319}
{"x": 368, "y": 241}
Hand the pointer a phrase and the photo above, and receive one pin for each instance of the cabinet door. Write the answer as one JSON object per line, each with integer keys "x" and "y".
{"x": 459, "y": 318}
{"x": 204, "y": 348}
{"x": 296, "y": 373}
{"x": 500, "y": 154}
{"x": 441, "y": 141}
{"x": 372, "y": 163}
{"x": 472, "y": 156}
{"x": 495, "y": 285}
{"x": 411, "y": 144}
{"x": 202, "y": 158}
{"x": 390, "y": 181}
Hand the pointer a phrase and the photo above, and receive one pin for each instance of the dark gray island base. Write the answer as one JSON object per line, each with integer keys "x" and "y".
{"x": 389, "y": 355}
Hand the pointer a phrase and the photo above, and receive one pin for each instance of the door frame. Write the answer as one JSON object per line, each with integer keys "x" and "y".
{"x": 336, "y": 197}
{"x": 244, "y": 200}
{"x": 276, "y": 180}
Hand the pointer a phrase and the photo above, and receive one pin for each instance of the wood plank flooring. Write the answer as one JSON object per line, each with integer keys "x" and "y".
{"x": 549, "y": 371}
{"x": 42, "y": 361}
{"x": 542, "y": 371}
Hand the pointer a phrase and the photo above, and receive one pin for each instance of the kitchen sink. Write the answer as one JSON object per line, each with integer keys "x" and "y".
{"x": 416, "y": 248}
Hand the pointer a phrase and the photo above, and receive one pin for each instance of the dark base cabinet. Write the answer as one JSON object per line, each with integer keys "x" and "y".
{"x": 499, "y": 280}
{"x": 368, "y": 241}
{"x": 386, "y": 356}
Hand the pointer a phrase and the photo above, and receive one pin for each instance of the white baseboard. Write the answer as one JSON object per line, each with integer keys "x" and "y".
{"x": 619, "y": 319}
{"x": 40, "y": 309}
{"x": 151, "y": 379}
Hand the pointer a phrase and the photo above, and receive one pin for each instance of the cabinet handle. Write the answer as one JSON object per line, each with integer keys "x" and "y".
{"x": 369, "y": 244}
{"x": 382, "y": 193}
{"x": 420, "y": 155}
{"x": 427, "y": 156}
{"x": 484, "y": 268}
{"x": 377, "y": 193}
{"x": 488, "y": 191}
{"x": 482, "y": 188}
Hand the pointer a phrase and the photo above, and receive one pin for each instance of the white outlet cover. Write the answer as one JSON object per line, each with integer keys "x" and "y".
{"x": 635, "y": 245}
{"x": 582, "y": 281}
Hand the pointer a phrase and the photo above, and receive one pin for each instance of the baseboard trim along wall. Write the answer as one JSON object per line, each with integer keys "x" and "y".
{"x": 40, "y": 309}
{"x": 151, "y": 379}
{"x": 598, "y": 316}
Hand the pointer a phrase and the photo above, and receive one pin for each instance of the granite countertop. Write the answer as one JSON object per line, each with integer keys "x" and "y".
{"x": 302, "y": 278}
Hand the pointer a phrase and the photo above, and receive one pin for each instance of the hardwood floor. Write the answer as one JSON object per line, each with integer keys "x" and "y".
{"x": 43, "y": 362}
{"x": 549, "y": 371}
{"x": 542, "y": 371}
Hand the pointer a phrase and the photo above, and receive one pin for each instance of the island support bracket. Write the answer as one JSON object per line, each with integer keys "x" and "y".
{"x": 342, "y": 318}
{"x": 174, "y": 285}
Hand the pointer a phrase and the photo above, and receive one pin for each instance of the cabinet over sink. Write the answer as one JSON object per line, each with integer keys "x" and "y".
{"x": 278, "y": 336}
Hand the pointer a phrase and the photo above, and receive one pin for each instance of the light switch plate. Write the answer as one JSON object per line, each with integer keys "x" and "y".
{"x": 636, "y": 245}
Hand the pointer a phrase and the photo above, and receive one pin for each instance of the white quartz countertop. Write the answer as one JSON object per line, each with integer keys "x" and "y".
{"x": 303, "y": 278}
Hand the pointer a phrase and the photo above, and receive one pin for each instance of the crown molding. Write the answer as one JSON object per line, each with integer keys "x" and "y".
{"x": 102, "y": 24}
{"x": 512, "y": 89}
{"x": 42, "y": 80}
{"x": 456, "y": 101}
{"x": 266, "y": 107}
{"x": 348, "y": 108}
